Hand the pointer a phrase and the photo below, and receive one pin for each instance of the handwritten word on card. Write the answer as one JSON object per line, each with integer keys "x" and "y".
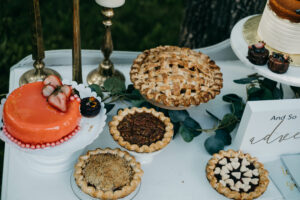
{"x": 270, "y": 128}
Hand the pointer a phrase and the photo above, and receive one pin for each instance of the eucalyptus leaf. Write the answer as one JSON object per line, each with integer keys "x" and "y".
{"x": 237, "y": 109}
{"x": 254, "y": 93}
{"x": 178, "y": 115}
{"x": 213, "y": 145}
{"x": 192, "y": 125}
{"x": 232, "y": 98}
{"x": 213, "y": 116}
{"x": 267, "y": 94}
{"x": 176, "y": 127}
{"x": 270, "y": 84}
{"x": 114, "y": 85}
{"x": 296, "y": 90}
{"x": 97, "y": 89}
{"x": 224, "y": 136}
{"x": 137, "y": 103}
{"x": 133, "y": 95}
{"x": 246, "y": 80}
{"x": 130, "y": 88}
{"x": 109, "y": 107}
{"x": 277, "y": 93}
{"x": 281, "y": 90}
{"x": 186, "y": 134}
{"x": 228, "y": 122}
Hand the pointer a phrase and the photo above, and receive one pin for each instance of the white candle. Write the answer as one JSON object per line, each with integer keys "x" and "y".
{"x": 110, "y": 3}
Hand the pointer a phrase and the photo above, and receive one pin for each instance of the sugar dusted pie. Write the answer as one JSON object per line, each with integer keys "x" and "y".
{"x": 237, "y": 175}
{"x": 107, "y": 173}
{"x": 141, "y": 130}
{"x": 176, "y": 76}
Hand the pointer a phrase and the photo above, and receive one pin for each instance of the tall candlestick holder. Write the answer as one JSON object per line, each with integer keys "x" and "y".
{"x": 76, "y": 50}
{"x": 106, "y": 67}
{"x": 38, "y": 54}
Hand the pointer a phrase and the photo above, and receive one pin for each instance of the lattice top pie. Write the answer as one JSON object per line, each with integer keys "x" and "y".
{"x": 176, "y": 76}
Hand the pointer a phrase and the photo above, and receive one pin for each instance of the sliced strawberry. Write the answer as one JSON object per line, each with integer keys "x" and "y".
{"x": 48, "y": 90}
{"x": 58, "y": 100}
{"x": 259, "y": 45}
{"x": 52, "y": 80}
{"x": 67, "y": 90}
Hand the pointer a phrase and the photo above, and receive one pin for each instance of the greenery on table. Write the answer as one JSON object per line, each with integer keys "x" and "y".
{"x": 258, "y": 88}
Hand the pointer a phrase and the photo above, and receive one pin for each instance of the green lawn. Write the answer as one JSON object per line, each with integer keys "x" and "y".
{"x": 138, "y": 25}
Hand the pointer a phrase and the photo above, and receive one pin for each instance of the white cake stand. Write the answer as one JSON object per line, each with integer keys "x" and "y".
{"x": 240, "y": 48}
{"x": 62, "y": 157}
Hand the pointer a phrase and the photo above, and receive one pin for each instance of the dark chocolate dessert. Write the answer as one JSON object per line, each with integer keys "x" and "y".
{"x": 278, "y": 63}
{"x": 258, "y": 54}
{"x": 90, "y": 107}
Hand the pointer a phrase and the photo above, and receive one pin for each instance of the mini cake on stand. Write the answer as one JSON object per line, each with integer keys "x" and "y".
{"x": 42, "y": 121}
{"x": 33, "y": 122}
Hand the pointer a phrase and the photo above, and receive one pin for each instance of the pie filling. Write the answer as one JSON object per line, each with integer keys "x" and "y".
{"x": 107, "y": 172}
{"x": 237, "y": 174}
{"x": 141, "y": 129}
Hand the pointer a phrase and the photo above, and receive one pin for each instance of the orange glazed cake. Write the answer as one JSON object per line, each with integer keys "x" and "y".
{"x": 29, "y": 118}
{"x": 280, "y": 25}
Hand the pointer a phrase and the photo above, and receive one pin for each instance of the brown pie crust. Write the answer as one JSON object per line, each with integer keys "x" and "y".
{"x": 176, "y": 77}
{"x": 81, "y": 180}
{"x": 167, "y": 137}
{"x": 226, "y": 191}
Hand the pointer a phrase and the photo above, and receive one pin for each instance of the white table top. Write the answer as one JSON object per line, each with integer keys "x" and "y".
{"x": 178, "y": 172}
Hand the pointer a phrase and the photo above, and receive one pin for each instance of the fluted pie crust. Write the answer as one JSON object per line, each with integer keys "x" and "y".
{"x": 176, "y": 76}
{"x": 82, "y": 182}
{"x": 113, "y": 127}
{"x": 226, "y": 191}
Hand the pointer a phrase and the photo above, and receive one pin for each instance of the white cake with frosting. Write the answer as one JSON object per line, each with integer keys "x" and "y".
{"x": 280, "y": 25}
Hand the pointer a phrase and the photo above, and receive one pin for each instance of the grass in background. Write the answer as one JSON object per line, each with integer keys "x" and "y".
{"x": 138, "y": 25}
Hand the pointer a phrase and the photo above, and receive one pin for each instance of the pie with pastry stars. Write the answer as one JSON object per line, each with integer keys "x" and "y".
{"x": 237, "y": 175}
{"x": 107, "y": 173}
{"x": 176, "y": 77}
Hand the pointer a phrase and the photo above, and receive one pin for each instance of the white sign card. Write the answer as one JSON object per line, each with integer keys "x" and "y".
{"x": 270, "y": 128}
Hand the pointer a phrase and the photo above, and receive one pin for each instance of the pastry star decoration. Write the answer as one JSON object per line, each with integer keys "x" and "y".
{"x": 239, "y": 170}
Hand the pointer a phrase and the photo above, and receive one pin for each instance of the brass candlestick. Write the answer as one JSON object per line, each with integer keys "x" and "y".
{"x": 39, "y": 72}
{"x": 76, "y": 50}
{"x": 106, "y": 67}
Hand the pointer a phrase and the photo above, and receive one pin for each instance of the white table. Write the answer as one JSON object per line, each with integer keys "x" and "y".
{"x": 176, "y": 173}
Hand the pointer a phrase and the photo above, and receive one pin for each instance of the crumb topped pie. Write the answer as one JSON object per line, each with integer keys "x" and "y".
{"x": 141, "y": 130}
{"x": 175, "y": 76}
{"x": 107, "y": 174}
{"x": 237, "y": 175}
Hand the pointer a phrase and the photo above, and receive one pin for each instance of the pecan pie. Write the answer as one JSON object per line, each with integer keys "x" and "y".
{"x": 141, "y": 129}
{"x": 237, "y": 175}
{"x": 177, "y": 77}
{"x": 107, "y": 173}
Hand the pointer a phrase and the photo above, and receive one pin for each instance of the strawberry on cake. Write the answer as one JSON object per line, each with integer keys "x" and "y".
{"x": 41, "y": 113}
